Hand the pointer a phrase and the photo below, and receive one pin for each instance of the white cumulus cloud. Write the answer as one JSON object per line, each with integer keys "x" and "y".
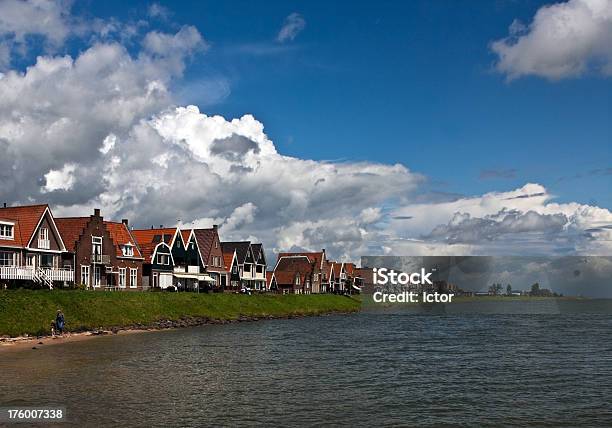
{"x": 563, "y": 40}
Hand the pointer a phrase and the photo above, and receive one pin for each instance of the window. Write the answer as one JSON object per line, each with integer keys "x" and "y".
{"x": 6, "y": 230}
{"x": 43, "y": 239}
{"x": 47, "y": 260}
{"x": 133, "y": 278}
{"x": 247, "y": 267}
{"x": 297, "y": 280}
{"x": 97, "y": 279}
{"x": 155, "y": 280}
{"x": 235, "y": 269}
{"x": 85, "y": 275}
{"x": 216, "y": 244}
{"x": 7, "y": 258}
{"x": 96, "y": 245}
{"x": 128, "y": 250}
{"x": 163, "y": 259}
{"x": 122, "y": 272}
{"x": 259, "y": 269}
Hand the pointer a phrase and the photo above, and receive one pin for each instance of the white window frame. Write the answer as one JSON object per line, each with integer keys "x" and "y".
{"x": 160, "y": 260}
{"x": 85, "y": 273}
{"x": 122, "y": 277}
{"x": 11, "y": 256}
{"x": 133, "y": 277}
{"x": 97, "y": 277}
{"x": 95, "y": 242}
{"x": 128, "y": 250}
{"x": 43, "y": 239}
{"x": 7, "y": 230}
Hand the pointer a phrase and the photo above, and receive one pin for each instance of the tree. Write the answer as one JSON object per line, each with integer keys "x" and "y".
{"x": 508, "y": 289}
{"x": 495, "y": 289}
{"x": 535, "y": 289}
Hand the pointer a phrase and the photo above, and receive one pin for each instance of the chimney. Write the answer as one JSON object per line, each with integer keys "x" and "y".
{"x": 215, "y": 226}
{"x": 5, "y": 205}
{"x": 96, "y": 212}
{"x": 152, "y": 227}
{"x": 161, "y": 226}
{"x": 125, "y": 221}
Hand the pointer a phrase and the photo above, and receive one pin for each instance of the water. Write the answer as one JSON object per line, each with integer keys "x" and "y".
{"x": 367, "y": 369}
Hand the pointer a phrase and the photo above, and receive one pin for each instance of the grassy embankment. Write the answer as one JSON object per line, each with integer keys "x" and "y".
{"x": 31, "y": 312}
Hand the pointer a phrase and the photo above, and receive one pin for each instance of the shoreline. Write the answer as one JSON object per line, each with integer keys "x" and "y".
{"x": 33, "y": 342}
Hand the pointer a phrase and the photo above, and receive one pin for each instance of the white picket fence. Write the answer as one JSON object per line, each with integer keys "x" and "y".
{"x": 29, "y": 273}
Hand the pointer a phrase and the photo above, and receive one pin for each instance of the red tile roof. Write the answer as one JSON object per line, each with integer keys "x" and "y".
{"x": 349, "y": 268}
{"x": 269, "y": 275}
{"x": 148, "y": 239}
{"x": 337, "y": 268}
{"x": 26, "y": 219}
{"x": 205, "y": 238}
{"x": 227, "y": 259}
{"x": 314, "y": 257}
{"x": 288, "y": 267}
{"x": 121, "y": 235}
{"x": 185, "y": 234}
{"x": 70, "y": 228}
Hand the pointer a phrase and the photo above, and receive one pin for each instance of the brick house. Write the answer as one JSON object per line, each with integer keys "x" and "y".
{"x": 106, "y": 255}
{"x": 293, "y": 275}
{"x": 320, "y": 269}
{"x": 209, "y": 246}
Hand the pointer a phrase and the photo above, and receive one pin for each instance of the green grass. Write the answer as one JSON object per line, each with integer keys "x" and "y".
{"x": 31, "y": 311}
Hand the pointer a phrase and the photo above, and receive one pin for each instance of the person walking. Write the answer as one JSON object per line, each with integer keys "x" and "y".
{"x": 59, "y": 321}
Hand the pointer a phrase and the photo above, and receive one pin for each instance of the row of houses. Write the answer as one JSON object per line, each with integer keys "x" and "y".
{"x": 37, "y": 248}
{"x": 312, "y": 272}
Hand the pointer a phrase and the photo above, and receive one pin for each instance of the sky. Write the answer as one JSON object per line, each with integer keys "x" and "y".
{"x": 448, "y": 127}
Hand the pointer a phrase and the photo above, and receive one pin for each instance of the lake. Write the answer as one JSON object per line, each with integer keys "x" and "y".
{"x": 540, "y": 367}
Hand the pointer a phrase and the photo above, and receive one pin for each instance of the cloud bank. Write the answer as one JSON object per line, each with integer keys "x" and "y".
{"x": 102, "y": 128}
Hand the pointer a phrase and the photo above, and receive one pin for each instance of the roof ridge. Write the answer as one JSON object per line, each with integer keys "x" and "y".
{"x": 25, "y": 206}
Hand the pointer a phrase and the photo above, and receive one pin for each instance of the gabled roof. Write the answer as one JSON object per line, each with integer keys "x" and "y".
{"x": 241, "y": 249}
{"x": 314, "y": 256}
{"x": 149, "y": 239}
{"x": 257, "y": 251}
{"x": 349, "y": 268}
{"x": 228, "y": 259}
{"x": 26, "y": 219}
{"x": 186, "y": 235}
{"x": 70, "y": 228}
{"x": 120, "y": 234}
{"x": 288, "y": 267}
{"x": 337, "y": 268}
{"x": 205, "y": 239}
{"x": 269, "y": 277}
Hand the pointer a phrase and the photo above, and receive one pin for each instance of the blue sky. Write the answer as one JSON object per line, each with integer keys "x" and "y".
{"x": 446, "y": 127}
{"x": 409, "y": 82}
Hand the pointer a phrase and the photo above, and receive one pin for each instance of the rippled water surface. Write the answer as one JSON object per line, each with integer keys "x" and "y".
{"x": 368, "y": 369}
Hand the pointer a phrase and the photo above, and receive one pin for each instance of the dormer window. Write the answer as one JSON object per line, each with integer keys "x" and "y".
{"x": 43, "y": 239}
{"x": 7, "y": 230}
{"x": 128, "y": 250}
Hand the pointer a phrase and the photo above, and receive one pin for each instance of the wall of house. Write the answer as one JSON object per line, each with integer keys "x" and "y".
{"x": 83, "y": 257}
{"x": 53, "y": 238}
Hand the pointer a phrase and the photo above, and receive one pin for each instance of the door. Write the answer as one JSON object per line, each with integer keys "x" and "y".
{"x": 31, "y": 261}
{"x": 97, "y": 279}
